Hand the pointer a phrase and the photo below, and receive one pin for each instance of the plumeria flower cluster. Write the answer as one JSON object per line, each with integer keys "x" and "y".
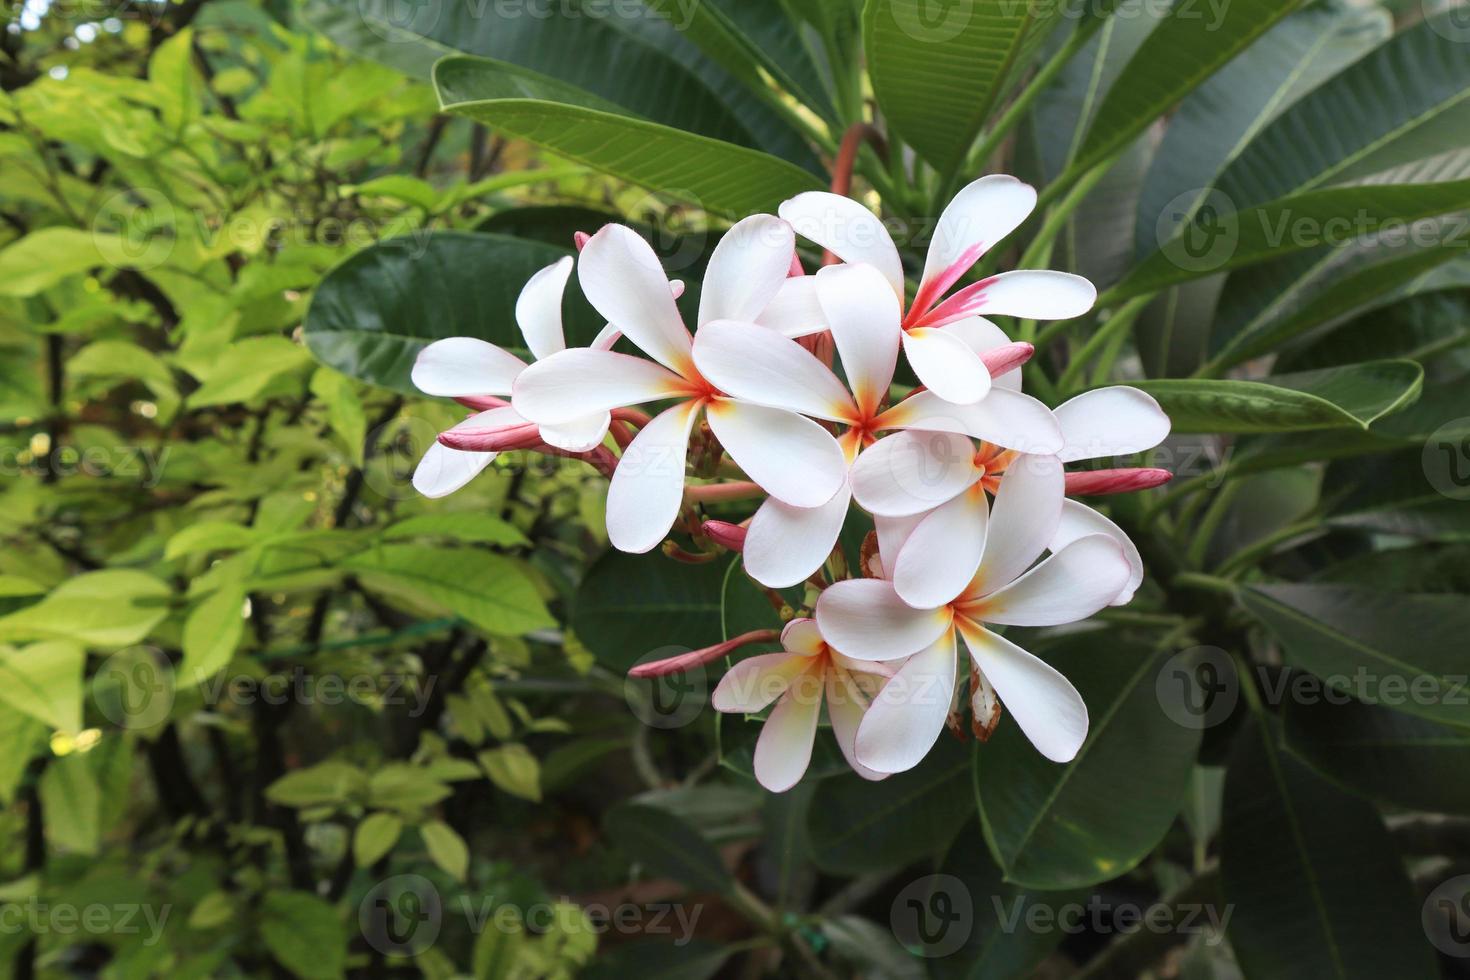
{"x": 964, "y": 478}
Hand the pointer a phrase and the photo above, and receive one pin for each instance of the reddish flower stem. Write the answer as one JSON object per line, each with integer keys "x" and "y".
{"x": 698, "y": 658}
{"x": 1095, "y": 483}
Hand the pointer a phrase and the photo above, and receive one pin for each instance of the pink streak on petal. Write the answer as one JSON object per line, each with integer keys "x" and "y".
{"x": 497, "y": 440}
{"x": 726, "y": 535}
{"x": 482, "y": 403}
{"x": 698, "y": 658}
{"x": 929, "y": 292}
{"x": 1095, "y": 483}
{"x": 966, "y": 302}
{"x": 796, "y": 271}
{"x": 1003, "y": 360}
{"x": 580, "y": 239}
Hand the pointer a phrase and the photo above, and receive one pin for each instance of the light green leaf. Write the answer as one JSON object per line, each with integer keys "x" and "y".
{"x": 490, "y": 591}
{"x": 399, "y": 187}
{"x": 108, "y": 608}
{"x": 375, "y": 837}
{"x": 212, "y": 632}
{"x": 324, "y": 784}
{"x": 215, "y": 909}
{"x": 21, "y": 738}
{"x": 446, "y": 848}
{"x": 497, "y": 950}
{"x": 344, "y": 410}
{"x": 209, "y": 536}
{"x": 44, "y": 680}
{"x": 514, "y": 769}
{"x": 45, "y": 257}
{"x": 400, "y": 786}
{"x": 71, "y": 804}
{"x": 463, "y": 526}
{"x": 1345, "y": 397}
{"x": 247, "y": 369}
{"x": 305, "y": 935}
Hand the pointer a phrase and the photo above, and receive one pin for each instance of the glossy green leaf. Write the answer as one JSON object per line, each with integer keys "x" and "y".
{"x": 1316, "y": 885}
{"x": 1424, "y": 320}
{"x": 667, "y": 845}
{"x": 856, "y": 826}
{"x": 372, "y": 314}
{"x": 937, "y": 78}
{"x": 1381, "y": 753}
{"x": 1399, "y": 651}
{"x": 1354, "y": 396}
{"x": 1190, "y": 44}
{"x": 490, "y": 591}
{"x": 710, "y": 174}
{"x": 629, "y": 606}
{"x": 1053, "y": 826}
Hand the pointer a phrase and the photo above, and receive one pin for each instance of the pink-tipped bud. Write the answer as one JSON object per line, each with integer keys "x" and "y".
{"x": 500, "y": 439}
{"x": 698, "y": 658}
{"x": 796, "y": 269}
{"x": 580, "y": 239}
{"x": 1095, "y": 483}
{"x": 725, "y": 534}
{"x": 481, "y": 403}
{"x": 1005, "y": 359}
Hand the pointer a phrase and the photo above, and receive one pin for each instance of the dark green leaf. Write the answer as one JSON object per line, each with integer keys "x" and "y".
{"x": 490, "y": 591}
{"x": 666, "y": 845}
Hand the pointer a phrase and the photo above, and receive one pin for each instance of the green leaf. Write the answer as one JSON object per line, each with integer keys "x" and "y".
{"x": 1188, "y": 46}
{"x": 1315, "y": 882}
{"x": 514, "y": 769}
{"x": 375, "y": 837}
{"x": 45, "y": 257}
{"x": 857, "y": 827}
{"x": 463, "y": 79}
{"x": 324, "y": 784}
{"x": 1381, "y": 753}
{"x": 697, "y": 959}
{"x": 372, "y": 314}
{"x": 872, "y": 948}
{"x": 71, "y": 804}
{"x": 1053, "y": 826}
{"x": 401, "y": 786}
{"x": 345, "y": 414}
{"x": 304, "y": 934}
{"x": 213, "y": 910}
{"x": 108, "y": 608}
{"x": 937, "y": 79}
{"x": 1400, "y": 651}
{"x": 446, "y": 848}
{"x": 21, "y": 738}
{"x": 247, "y": 369}
{"x": 209, "y": 536}
{"x": 212, "y": 632}
{"x": 1355, "y": 396}
{"x": 709, "y": 174}
{"x": 629, "y": 606}
{"x": 666, "y": 845}
{"x": 497, "y": 950}
{"x": 44, "y": 680}
{"x": 464, "y": 526}
{"x": 490, "y": 591}
{"x": 1420, "y": 322}
{"x": 641, "y": 61}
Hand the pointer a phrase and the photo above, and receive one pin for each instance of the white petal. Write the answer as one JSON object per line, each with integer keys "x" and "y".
{"x": 1036, "y": 294}
{"x": 442, "y": 470}
{"x": 893, "y": 534}
{"x": 790, "y": 457}
{"x": 864, "y": 317}
{"x": 756, "y": 681}
{"x": 980, "y": 335}
{"x": 623, "y": 280}
{"x": 786, "y": 545}
{"x": 946, "y": 365}
{"x": 866, "y": 620}
{"x": 802, "y": 636}
{"x": 465, "y": 366}
{"x": 1069, "y": 586}
{"x": 1043, "y": 703}
{"x": 538, "y": 308}
{"x": 845, "y": 707}
{"x": 941, "y": 554}
{"x": 746, "y": 269}
{"x": 784, "y": 748}
{"x": 976, "y": 219}
{"x": 1080, "y": 520}
{"x": 1004, "y": 417}
{"x": 1028, "y": 505}
{"x": 846, "y": 229}
{"x": 648, "y": 485}
{"x": 795, "y": 311}
{"x": 579, "y": 382}
{"x": 906, "y": 717}
{"x": 605, "y": 338}
{"x": 912, "y": 472}
{"x": 759, "y": 365}
{"x": 577, "y": 435}
{"x": 1115, "y": 421}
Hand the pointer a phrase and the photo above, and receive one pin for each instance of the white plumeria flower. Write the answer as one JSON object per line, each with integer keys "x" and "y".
{"x": 867, "y": 619}
{"x": 937, "y": 336}
{"x": 792, "y": 458}
{"x": 785, "y": 543}
{"x": 806, "y": 672}
{"x": 479, "y": 373}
